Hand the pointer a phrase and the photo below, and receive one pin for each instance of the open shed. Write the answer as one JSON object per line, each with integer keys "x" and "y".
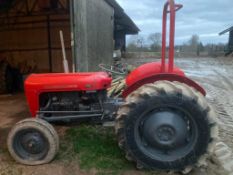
{"x": 29, "y": 34}
{"x": 123, "y": 26}
{"x": 229, "y": 48}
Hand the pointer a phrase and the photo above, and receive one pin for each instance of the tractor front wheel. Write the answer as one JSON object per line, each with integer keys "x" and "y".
{"x": 166, "y": 125}
{"x": 33, "y": 142}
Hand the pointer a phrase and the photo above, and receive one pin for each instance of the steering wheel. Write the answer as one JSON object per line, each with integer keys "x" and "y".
{"x": 111, "y": 69}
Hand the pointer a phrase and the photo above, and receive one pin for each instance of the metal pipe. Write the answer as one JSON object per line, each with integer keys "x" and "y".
{"x": 169, "y": 7}
{"x": 70, "y": 112}
{"x": 67, "y": 117}
{"x": 164, "y": 36}
{"x": 172, "y": 36}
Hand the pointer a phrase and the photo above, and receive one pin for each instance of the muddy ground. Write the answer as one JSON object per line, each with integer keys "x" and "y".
{"x": 216, "y": 75}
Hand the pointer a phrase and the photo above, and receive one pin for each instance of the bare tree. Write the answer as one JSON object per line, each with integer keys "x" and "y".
{"x": 140, "y": 41}
{"x": 194, "y": 41}
{"x": 155, "y": 40}
{"x": 194, "y": 44}
{"x": 132, "y": 43}
{"x": 132, "y": 39}
{"x": 136, "y": 43}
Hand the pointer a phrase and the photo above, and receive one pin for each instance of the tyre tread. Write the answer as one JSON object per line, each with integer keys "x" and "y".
{"x": 46, "y": 128}
{"x": 166, "y": 87}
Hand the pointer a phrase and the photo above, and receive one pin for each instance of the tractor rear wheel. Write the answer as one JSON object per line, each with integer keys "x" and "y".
{"x": 33, "y": 142}
{"x": 166, "y": 125}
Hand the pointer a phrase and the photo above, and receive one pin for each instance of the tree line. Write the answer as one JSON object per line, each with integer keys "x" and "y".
{"x": 152, "y": 43}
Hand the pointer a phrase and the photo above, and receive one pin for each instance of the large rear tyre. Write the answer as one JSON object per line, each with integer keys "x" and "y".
{"x": 33, "y": 142}
{"x": 166, "y": 125}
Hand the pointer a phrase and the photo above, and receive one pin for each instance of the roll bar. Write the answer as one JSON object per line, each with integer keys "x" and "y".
{"x": 169, "y": 7}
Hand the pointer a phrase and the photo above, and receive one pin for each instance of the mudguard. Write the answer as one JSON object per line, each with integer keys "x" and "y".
{"x": 151, "y": 72}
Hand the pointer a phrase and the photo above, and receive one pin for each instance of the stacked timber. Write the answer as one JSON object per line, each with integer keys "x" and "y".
{"x": 117, "y": 87}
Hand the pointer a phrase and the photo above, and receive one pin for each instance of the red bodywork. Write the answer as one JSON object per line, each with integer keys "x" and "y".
{"x": 37, "y": 84}
{"x": 147, "y": 73}
{"x": 153, "y": 72}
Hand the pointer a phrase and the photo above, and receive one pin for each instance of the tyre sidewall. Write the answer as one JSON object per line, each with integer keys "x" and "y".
{"x": 146, "y": 104}
{"x": 52, "y": 148}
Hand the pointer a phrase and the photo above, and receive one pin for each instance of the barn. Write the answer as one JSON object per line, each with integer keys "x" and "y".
{"x": 30, "y": 41}
{"x": 229, "y": 48}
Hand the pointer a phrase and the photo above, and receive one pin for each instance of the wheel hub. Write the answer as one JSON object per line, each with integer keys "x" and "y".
{"x": 30, "y": 144}
{"x": 165, "y": 133}
{"x": 33, "y": 143}
{"x": 164, "y": 129}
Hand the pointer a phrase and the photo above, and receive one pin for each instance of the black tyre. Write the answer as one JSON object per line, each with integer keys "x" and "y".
{"x": 33, "y": 142}
{"x": 45, "y": 124}
{"x": 166, "y": 125}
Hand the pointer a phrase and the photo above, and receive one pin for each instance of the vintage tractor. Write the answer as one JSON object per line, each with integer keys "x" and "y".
{"x": 162, "y": 121}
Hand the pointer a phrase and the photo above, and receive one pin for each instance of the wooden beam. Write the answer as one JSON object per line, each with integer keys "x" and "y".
{"x": 49, "y": 44}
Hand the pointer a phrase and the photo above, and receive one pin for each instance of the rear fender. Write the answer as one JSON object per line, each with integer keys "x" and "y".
{"x": 164, "y": 76}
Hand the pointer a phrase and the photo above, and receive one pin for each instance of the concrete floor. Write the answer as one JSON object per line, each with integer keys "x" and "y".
{"x": 13, "y": 108}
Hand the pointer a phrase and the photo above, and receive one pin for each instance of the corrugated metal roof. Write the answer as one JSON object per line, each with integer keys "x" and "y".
{"x": 121, "y": 18}
{"x": 227, "y": 30}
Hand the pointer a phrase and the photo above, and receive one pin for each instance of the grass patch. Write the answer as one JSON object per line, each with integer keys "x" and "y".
{"x": 94, "y": 147}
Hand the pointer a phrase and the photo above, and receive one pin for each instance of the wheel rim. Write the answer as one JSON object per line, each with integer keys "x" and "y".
{"x": 30, "y": 144}
{"x": 166, "y": 133}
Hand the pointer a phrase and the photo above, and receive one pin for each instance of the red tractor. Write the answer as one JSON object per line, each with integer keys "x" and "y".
{"x": 162, "y": 121}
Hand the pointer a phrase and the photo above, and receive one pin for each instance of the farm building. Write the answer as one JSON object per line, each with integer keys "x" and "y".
{"x": 229, "y": 48}
{"x": 30, "y": 41}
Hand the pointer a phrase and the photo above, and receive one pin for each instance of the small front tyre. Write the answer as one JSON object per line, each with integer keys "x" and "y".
{"x": 33, "y": 142}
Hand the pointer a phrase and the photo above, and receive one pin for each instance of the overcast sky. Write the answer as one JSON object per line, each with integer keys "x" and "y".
{"x": 203, "y": 17}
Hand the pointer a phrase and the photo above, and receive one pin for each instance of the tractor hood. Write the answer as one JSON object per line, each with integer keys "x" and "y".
{"x": 37, "y": 84}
